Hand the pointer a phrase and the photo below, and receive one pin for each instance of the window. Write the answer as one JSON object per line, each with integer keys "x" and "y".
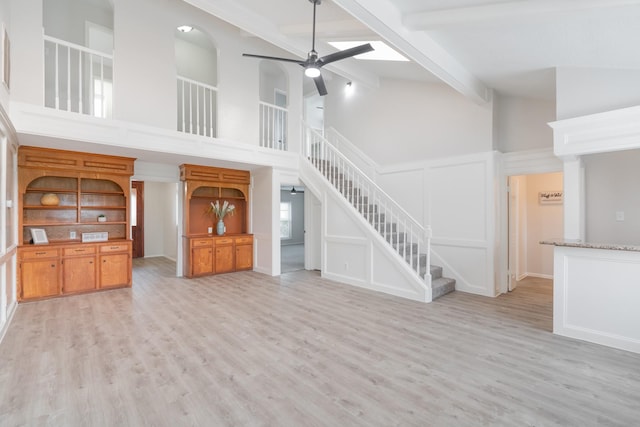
{"x": 285, "y": 220}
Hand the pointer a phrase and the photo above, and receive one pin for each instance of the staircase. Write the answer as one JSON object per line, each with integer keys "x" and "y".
{"x": 405, "y": 236}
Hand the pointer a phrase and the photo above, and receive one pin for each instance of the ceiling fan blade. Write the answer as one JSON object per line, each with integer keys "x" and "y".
{"x": 343, "y": 54}
{"x": 275, "y": 58}
{"x": 322, "y": 89}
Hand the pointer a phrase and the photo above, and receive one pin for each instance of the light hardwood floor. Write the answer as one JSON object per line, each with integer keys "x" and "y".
{"x": 246, "y": 349}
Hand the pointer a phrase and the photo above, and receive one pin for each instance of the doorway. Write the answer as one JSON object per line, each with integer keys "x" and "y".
{"x": 292, "y": 230}
{"x": 137, "y": 218}
{"x": 533, "y": 217}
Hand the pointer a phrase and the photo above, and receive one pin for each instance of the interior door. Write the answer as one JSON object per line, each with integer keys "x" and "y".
{"x": 137, "y": 220}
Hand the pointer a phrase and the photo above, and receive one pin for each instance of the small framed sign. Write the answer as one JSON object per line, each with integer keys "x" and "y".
{"x": 39, "y": 236}
{"x": 550, "y": 197}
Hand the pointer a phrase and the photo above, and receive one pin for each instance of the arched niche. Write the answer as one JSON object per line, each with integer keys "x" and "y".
{"x": 84, "y": 23}
{"x": 274, "y": 83}
{"x": 197, "y": 80}
{"x": 196, "y": 56}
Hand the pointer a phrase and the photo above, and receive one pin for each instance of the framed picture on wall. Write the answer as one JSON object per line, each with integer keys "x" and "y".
{"x": 550, "y": 197}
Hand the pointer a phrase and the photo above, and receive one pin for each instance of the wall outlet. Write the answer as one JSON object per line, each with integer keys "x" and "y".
{"x": 72, "y": 234}
{"x": 346, "y": 266}
{"x": 619, "y": 216}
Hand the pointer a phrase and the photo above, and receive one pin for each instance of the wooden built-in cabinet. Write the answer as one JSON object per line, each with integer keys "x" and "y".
{"x": 217, "y": 254}
{"x": 207, "y": 253}
{"x": 83, "y": 188}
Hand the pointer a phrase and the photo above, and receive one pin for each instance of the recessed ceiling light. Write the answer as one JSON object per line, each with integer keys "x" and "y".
{"x": 381, "y": 52}
{"x": 185, "y": 28}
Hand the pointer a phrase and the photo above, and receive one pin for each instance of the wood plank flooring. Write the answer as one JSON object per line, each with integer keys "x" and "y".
{"x": 246, "y": 349}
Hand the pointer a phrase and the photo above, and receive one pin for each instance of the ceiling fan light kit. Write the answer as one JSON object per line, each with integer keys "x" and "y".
{"x": 313, "y": 63}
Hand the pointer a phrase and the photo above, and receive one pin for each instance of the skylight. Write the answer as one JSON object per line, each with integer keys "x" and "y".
{"x": 381, "y": 52}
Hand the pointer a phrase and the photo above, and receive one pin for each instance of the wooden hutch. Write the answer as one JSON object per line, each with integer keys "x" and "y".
{"x": 74, "y": 222}
{"x": 205, "y": 252}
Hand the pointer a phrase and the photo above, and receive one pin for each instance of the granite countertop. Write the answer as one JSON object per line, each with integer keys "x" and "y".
{"x": 580, "y": 244}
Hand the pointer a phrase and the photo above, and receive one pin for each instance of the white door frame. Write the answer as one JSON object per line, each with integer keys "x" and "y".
{"x": 519, "y": 163}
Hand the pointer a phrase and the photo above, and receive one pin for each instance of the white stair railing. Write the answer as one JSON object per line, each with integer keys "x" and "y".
{"x": 406, "y": 236}
{"x": 77, "y": 79}
{"x": 197, "y": 107}
{"x": 357, "y": 156}
{"x": 273, "y": 126}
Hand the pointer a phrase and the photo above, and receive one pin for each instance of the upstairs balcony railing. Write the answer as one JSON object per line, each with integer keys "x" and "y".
{"x": 273, "y": 126}
{"x": 197, "y": 107}
{"x": 77, "y": 79}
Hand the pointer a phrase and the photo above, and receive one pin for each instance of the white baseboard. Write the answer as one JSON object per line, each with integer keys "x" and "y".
{"x": 538, "y": 276}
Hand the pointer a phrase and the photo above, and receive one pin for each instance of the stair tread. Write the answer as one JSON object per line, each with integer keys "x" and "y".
{"x": 442, "y": 286}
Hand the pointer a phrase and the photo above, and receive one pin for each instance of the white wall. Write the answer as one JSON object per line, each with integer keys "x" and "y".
{"x": 521, "y": 123}
{"x": 582, "y": 91}
{"x": 265, "y": 217}
{"x": 404, "y": 121}
{"x": 611, "y": 186}
{"x": 160, "y": 226}
{"x": 194, "y": 61}
{"x": 65, "y": 19}
{"x": 272, "y": 77}
{"x": 456, "y": 198}
{"x": 27, "y": 52}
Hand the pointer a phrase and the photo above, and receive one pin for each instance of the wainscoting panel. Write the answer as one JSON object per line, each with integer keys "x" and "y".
{"x": 460, "y": 206}
{"x": 596, "y": 296}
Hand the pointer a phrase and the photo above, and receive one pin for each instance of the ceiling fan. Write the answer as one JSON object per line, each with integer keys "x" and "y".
{"x": 313, "y": 63}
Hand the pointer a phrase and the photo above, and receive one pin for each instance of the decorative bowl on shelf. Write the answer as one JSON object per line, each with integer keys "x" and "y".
{"x": 49, "y": 199}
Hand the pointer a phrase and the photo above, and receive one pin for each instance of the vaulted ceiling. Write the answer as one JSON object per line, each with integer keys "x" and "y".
{"x": 475, "y": 46}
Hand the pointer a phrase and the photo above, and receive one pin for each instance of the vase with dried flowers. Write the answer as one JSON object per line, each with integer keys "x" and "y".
{"x": 220, "y": 211}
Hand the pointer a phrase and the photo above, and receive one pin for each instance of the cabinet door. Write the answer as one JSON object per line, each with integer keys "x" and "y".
{"x": 78, "y": 274}
{"x": 244, "y": 257}
{"x": 202, "y": 261}
{"x": 224, "y": 259}
{"x": 114, "y": 270}
{"x": 39, "y": 278}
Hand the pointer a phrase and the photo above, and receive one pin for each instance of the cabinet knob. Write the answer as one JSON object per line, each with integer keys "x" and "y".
{"x": 53, "y": 265}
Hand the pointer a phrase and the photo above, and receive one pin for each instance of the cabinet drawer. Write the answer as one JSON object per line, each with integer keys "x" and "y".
{"x": 43, "y": 253}
{"x": 79, "y": 251}
{"x": 244, "y": 240}
{"x": 117, "y": 247}
{"x": 224, "y": 241}
{"x": 200, "y": 242}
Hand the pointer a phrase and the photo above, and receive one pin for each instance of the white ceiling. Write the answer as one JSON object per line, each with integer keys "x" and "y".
{"x": 511, "y": 46}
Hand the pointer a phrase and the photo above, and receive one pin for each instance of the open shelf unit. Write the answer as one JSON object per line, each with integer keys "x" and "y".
{"x": 65, "y": 193}
{"x": 205, "y": 252}
{"x": 85, "y": 187}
